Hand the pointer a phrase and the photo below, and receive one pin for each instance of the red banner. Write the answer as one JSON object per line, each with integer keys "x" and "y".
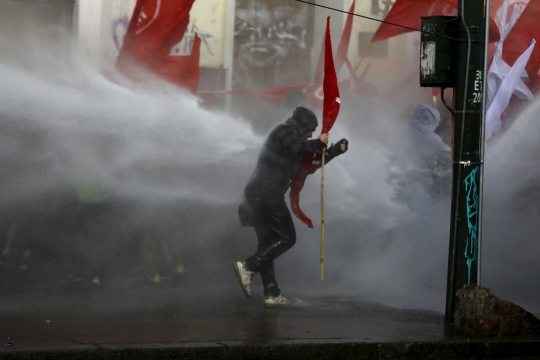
{"x": 520, "y": 38}
{"x": 155, "y": 28}
{"x": 314, "y": 90}
{"x": 408, "y": 12}
{"x": 343, "y": 48}
{"x": 331, "y": 106}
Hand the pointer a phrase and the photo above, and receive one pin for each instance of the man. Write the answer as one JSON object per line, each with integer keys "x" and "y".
{"x": 430, "y": 159}
{"x": 264, "y": 205}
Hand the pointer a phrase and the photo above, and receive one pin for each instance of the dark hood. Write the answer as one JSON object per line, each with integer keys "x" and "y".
{"x": 303, "y": 119}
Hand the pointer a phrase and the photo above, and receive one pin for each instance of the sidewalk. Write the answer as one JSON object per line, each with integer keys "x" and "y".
{"x": 359, "y": 331}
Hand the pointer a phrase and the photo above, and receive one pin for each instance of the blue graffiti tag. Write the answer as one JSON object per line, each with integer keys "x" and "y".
{"x": 471, "y": 249}
{"x": 122, "y": 22}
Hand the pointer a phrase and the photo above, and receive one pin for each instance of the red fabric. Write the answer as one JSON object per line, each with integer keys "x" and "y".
{"x": 519, "y": 39}
{"x": 155, "y": 27}
{"x": 342, "y": 51}
{"x": 331, "y": 107}
{"x": 343, "y": 47}
{"x": 408, "y": 13}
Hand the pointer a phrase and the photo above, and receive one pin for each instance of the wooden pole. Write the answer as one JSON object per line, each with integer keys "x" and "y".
{"x": 322, "y": 215}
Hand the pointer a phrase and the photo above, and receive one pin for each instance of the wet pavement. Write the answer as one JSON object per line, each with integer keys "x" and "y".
{"x": 316, "y": 327}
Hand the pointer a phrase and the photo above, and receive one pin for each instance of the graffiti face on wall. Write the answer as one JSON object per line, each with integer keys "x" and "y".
{"x": 268, "y": 34}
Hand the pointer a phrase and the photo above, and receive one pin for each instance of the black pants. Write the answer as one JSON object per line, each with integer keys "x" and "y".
{"x": 275, "y": 235}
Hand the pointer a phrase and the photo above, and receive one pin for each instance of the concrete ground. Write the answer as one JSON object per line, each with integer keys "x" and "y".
{"x": 162, "y": 323}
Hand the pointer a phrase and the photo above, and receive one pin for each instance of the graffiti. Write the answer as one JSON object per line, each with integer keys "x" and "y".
{"x": 471, "y": 248}
{"x": 270, "y": 36}
{"x": 429, "y": 28}
{"x": 119, "y": 28}
{"x": 117, "y": 25}
{"x": 266, "y": 46}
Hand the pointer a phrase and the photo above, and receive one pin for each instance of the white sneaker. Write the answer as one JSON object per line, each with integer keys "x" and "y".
{"x": 244, "y": 277}
{"x": 279, "y": 302}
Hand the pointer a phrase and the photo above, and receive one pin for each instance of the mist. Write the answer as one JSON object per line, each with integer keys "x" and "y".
{"x": 180, "y": 169}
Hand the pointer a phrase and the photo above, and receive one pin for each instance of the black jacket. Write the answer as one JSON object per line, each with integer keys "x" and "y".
{"x": 281, "y": 156}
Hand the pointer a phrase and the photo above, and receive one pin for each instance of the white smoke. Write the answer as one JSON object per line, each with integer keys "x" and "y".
{"x": 158, "y": 144}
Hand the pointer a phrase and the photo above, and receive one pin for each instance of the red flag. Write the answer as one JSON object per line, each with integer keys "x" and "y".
{"x": 408, "y": 12}
{"x": 155, "y": 27}
{"x": 331, "y": 107}
{"x": 343, "y": 47}
{"x": 520, "y": 38}
{"x": 342, "y": 51}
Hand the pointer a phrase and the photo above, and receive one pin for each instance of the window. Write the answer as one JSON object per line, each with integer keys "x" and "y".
{"x": 378, "y": 49}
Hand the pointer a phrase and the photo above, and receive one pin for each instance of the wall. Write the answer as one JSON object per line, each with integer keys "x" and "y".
{"x": 209, "y": 18}
{"x": 337, "y": 22}
{"x": 102, "y": 25}
{"x": 88, "y": 15}
{"x": 28, "y": 26}
{"x": 272, "y": 44}
{"x": 402, "y": 56}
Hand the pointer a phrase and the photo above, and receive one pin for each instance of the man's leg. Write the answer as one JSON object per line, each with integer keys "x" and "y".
{"x": 275, "y": 233}
{"x": 269, "y": 279}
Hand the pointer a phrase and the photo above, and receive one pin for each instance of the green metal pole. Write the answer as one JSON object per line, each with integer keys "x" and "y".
{"x": 467, "y": 163}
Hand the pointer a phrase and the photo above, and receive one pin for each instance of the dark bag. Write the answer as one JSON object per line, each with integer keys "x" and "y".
{"x": 245, "y": 214}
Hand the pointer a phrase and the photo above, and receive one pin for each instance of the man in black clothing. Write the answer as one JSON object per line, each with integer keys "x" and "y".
{"x": 264, "y": 205}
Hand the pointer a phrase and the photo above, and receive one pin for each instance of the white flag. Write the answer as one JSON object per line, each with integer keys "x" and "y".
{"x": 505, "y": 91}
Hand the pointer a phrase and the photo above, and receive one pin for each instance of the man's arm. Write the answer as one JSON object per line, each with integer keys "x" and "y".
{"x": 335, "y": 150}
{"x": 300, "y": 146}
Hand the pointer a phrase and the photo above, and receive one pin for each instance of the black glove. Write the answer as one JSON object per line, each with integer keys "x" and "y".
{"x": 335, "y": 149}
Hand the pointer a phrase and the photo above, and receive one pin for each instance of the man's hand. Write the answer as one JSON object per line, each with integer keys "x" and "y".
{"x": 343, "y": 146}
{"x": 339, "y": 148}
{"x": 324, "y": 138}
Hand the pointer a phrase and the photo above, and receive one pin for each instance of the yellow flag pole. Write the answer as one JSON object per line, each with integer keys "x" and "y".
{"x": 322, "y": 215}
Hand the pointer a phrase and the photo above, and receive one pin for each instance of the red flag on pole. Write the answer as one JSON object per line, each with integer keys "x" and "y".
{"x": 343, "y": 47}
{"x": 408, "y": 12}
{"x": 519, "y": 39}
{"x": 155, "y": 28}
{"x": 331, "y": 105}
{"x": 313, "y": 91}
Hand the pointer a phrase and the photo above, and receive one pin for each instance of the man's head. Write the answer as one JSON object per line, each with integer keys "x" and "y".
{"x": 427, "y": 117}
{"x": 305, "y": 120}
{"x": 308, "y": 134}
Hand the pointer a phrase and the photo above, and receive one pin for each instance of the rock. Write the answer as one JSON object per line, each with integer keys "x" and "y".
{"x": 480, "y": 312}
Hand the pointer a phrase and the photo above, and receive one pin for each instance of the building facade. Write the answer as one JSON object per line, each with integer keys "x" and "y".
{"x": 246, "y": 44}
